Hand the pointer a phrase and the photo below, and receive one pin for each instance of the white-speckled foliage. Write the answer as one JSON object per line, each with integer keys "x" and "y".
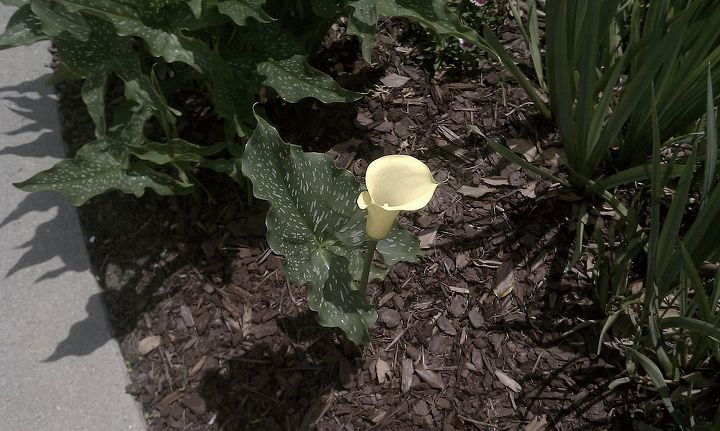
{"x": 23, "y": 28}
{"x": 315, "y": 223}
{"x": 233, "y": 52}
{"x": 240, "y": 10}
{"x": 294, "y": 79}
{"x": 432, "y": 14}
{"x": 361, "y": 23}
{"x": 98, "y": 167}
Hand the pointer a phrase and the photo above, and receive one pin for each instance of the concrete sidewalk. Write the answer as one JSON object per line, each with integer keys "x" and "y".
{"x": 47, "y": 292}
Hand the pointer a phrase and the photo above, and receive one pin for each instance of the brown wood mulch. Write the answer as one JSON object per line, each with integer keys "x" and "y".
{"x": 472, "y": 336}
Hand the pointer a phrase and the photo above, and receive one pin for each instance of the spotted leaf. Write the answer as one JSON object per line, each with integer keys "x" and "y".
{"x": 23, "y": 28}
{"x": 432, "y": 14}
{"x": 361, "y": 23}
{"x": 129, "y": 21}
{"x": 294, "y": 79}
{"x": 100, "y": 166}
{"x": 240, "y": 10}
{"x": 56, "y": 19}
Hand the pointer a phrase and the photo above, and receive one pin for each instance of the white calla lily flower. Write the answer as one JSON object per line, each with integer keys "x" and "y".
{"x": 394, "y": 183}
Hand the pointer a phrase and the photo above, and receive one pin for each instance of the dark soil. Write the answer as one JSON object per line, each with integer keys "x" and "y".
{"x": 454, "y": 348}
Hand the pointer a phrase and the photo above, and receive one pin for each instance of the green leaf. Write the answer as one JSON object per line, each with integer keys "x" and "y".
{"x": 231, "y": 94}
{"x": 674, "y": 218}
{"x": 327, "y": 8}
{"x": 711, "y": 147}
{"x": 656, "y": 376}
{"x": 175, "y": 150}
{"x": 433, "y": 14}
{"x": 16, "y": 3}
{"x": 95, "y": 60}
{"x": 294, "y": 79}
{"x": 314, "y": 222}
{"x": 703, "y": 328}
{"x": 100, "y": 166}
{"x": 240, "y": 10}
{"x": 93, "y": 94}
{"x": 398, "y": 246}
{"x": 23, "y": 28}
{"x": 269, "y": 40}
{"x": 338, "y": 304}
{"x": 56, "y": 19}
{"x": 196, "y": 6}
{"x": 128, "y": 22}
{"x": 497, "y": 48}
{"x": 361, "y": 23}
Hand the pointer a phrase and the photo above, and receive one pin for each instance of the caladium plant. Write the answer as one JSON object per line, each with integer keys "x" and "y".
{"x": 228, "y": 51}
{"x": 315, "y": 223}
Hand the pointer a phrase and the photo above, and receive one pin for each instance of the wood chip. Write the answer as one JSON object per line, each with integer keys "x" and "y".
{"x": 508, "y": 381}
{"x": 187, "y": 316}
{"x": 148, "y": 344}
{"x": 552, "y": 157}
{"x": 529, "y": 190}
{"x": 198, "y": 366}
{"x": 538, "y": 423}
{"x": 433, "y": 379}
{"x": 524, "y": 148}
{"x": 377, "y": 418}
{"x": 164, "y": 406}
{"x": 407, "y": 375}
{"x": 427, "y": 237}
{"x": 382, "y": 370}
{"x": 496, "y": 181}
{"x": 504, "y": 279}
{"x": 475, "y": 192}
{"x": 461, "y": 290}
{"x": 476, "y": 318}
{"x": 446, "y": 326}
{"x": 393, "y": 80}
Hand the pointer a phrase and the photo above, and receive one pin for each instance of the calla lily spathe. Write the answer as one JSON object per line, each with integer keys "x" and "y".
{"x": 394, "y": 183}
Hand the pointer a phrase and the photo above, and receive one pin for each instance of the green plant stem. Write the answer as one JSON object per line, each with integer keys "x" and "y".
{"x": 366, "y": 266}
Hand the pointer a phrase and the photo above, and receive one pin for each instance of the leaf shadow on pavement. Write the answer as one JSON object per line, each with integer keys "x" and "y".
{"x": 35, "y": 107}
{"x": 55, "y": 238}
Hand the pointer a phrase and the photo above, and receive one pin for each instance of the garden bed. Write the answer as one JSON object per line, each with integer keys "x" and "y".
{"x": 475, "y": 335}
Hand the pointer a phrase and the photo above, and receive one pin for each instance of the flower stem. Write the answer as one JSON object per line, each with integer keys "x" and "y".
{"x": 366, "y": 266}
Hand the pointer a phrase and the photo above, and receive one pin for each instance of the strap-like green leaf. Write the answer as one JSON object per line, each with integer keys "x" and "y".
{"x": 23, "y": 28}
{"x": 657, "y": 378}
{"x": 98, "y": 167}
{"x": 294, "y": 79}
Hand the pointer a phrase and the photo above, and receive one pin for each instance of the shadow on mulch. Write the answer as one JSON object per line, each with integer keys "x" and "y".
{"x": 279, "y": 386}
